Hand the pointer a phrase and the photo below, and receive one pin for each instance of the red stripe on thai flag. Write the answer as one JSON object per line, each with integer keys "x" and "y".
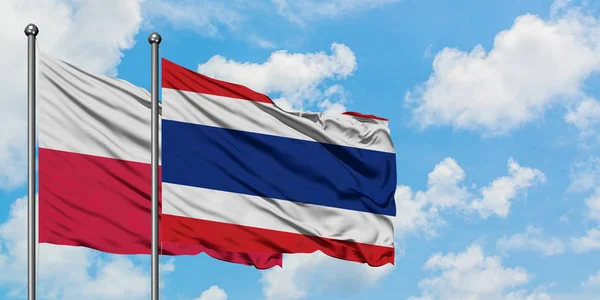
{"x": 104, "y": 204}
{"x": 179, "y": 78}
{"x": 251, "y": 239}
{"x": 357, "y": 114}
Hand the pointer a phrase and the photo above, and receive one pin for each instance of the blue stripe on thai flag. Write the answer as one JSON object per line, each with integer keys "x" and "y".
{"x": 277, "y": 167}
{"x": 271, "y": 180}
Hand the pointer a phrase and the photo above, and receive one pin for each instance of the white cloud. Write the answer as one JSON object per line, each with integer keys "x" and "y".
{"x": 261, "y": 42}
{"x": 585, "y": 117}
{"x": 68, "y": 272}
{"x": 69, "y": 30}
{"x": 427, "y": 53}
{"x": 167, "y": 267}
{"x": 589, "y": 242}
{"x": 593, "y": 282}
{"x": 497, "y": 196}
{"x": 472, "y": 275}
{"x": 588, "y": 291}
{"x": 420, "y": 211}
{"x": 215, "y": 18}
{"x": 301, "y": 11}
{"x": 117, "y": 279}
{"x": 533, "y": 65}
{"x": 532, "y": 239}
{"x": 585, "y": 175}
{"x": 524, "y": 295}
{"x": 592, "y": 204}
{"x": 333, "y": 100}
{"x": 443, "y": 185}
{"x": 318, "y": 272}
{"x": 559, "y": 6}
{"x": 201, "y": 16}
{"x": 213, "y": 293}
{"x": 296, "y": 77}
{"x": 415, "y": 214}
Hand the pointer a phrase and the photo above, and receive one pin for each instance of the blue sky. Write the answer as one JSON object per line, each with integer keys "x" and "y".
{"x": 493, "y": 109}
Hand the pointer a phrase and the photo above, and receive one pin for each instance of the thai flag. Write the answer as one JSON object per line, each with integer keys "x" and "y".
{"x": 241, "y": 174}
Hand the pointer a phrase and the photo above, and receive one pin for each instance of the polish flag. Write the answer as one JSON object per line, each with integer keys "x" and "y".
{"x": 94, "y": 167}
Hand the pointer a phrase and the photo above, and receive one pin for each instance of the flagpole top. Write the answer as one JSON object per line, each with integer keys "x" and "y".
{"x": 154, "y": 38}
{"x": 31, "y": 29}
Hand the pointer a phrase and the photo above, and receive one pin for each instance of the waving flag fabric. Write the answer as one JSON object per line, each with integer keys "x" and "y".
{"x": 241, "y": 174}
{"x": 94, "y": 166}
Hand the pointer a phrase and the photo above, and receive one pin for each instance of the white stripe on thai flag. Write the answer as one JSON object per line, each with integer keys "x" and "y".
{"x": 241, "y": 174}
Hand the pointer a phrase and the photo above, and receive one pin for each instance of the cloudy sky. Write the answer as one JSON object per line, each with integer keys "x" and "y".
{"x": 494, "y": 112}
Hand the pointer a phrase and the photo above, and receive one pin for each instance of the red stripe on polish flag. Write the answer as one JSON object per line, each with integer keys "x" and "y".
{"x": 104, "y": 204}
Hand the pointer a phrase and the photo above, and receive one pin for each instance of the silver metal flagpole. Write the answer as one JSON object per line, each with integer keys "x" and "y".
{"x": 154, "y": 39}
{"x": 31, "y": 32}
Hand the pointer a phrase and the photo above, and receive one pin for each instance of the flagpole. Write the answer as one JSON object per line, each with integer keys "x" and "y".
{"x": 31, "y": 31}
{"x": 154, "y": 39}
